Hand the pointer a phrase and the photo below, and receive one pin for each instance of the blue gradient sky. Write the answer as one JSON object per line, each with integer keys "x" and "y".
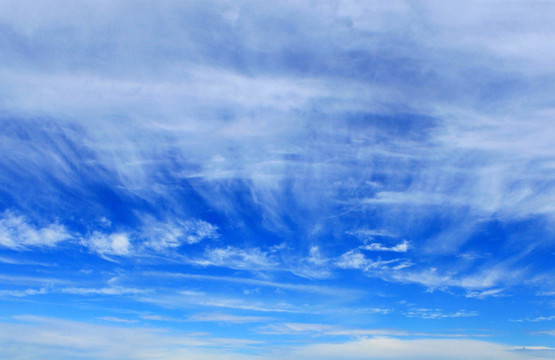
{"x": 267, "y": 180}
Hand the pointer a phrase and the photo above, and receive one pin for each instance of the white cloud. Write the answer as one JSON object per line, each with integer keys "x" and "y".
{"x": 500, "y": 159}
{"x": 153, "y": 235}
{"x": 485, "y": 293}
{"x": 27, "y": 280}
{"x": 313, "y": 266}
{"x": 539, "y": 318}
{"x": 109, "y": 244}
{"x": 405, "y": 198}
{"x": 438, "y": 314}
{"x": 160, "y": 318}
{"x": 401, "y": 247}
{"x": 61, "y": 339}
{"x": 227, "y": 318}
{"x": 365, "y": 234}
{"x": 17, "y": 233}
{"x": 7, "y": 260}
{"x": 296, "y": 328}
{"x": 237, "y": 258}
{"x": 297, "y": 287}
{"x": 39, "y": 337}
{"x": 483, "y": 278}
{"x": 546, "y": 332}
{"x": 195, "y": 299}
{"x": 354, "y": 259}
{"x": 117, "y": 320}
{"x": 318, "y": 329}
{"x": 421, "y": 349}
{"x": 397, "y": 270}
{"x": 23, "y": 293}
{"x": 164, "y": 90}
{"x": 161, "y": 236}
{"x": 316, "y": 257}
{"x": 112, "y": 290}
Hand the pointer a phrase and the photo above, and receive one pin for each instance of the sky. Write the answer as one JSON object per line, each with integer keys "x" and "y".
{"x": 253, "y": 180}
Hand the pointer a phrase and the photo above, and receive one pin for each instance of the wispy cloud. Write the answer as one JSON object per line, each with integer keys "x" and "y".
{"x": 227, "y": 318}
{"x": 365, "y": 234}
{"x": 108, "y": 244}
{"x": 23, "y": 293}
{"x": 37, "y": 335}
{"x": 187, "y": 299}
{"x": 392, "y": 348}
{"x": 113, "y": 290}
{"x": 161, "y": 236}
{"x": 537, "y": 319}
{"x": 439, "y": 314}
{"x": 314, "y": 266}
{"x": 319, "y": 329}
{"x": 546, "y": 332}
{"x": 354, "y": 259}
{"x": 296, "y": 328}
{"x": 153, "y": 237}
{"x": 117, "y": 320}
{"x": 13, "y": 261}
{"x": 401, "y": 247}
{"x": 237, "y": 258}
{"x": 33, "y": 280}
{"x": 297, "y": 287}
{"x": 485, "y": 293}
{"x": 17, "y": 233}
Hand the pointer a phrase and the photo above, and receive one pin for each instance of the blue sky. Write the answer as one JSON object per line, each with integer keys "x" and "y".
{"x": 267, "y": 180}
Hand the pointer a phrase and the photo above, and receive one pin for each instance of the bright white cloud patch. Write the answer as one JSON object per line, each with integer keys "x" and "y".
{"x": 161, "y": 236}
{"x": 354, "y": 259}
{"x": 17, "y": 233}
{"x": 108, "y": 244}
{"x": 153, "y": 237}
{"x": 401, "y": 247}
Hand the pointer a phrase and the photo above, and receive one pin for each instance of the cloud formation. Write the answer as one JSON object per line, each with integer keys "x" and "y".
{"x": 328, "y": 165}
{"x": 17, "y": 233}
